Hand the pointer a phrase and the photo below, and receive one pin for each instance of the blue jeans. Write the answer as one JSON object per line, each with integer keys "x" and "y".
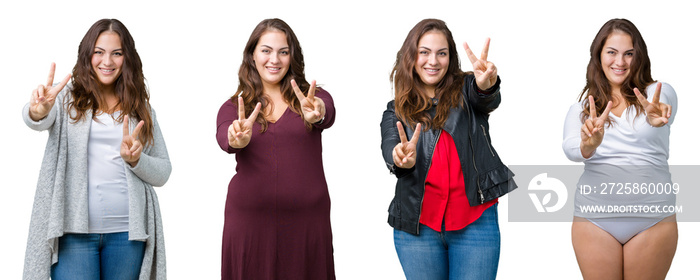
{"x": 108, "y": 256}
{"x": 469, "y": 253}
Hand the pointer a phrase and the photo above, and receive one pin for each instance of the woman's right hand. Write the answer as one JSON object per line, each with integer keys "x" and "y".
{"x": 405, "y": 152}
{"x": 240, "y": 131}
{"x": 44, "y": 96}
{"x": 593, "y": 128}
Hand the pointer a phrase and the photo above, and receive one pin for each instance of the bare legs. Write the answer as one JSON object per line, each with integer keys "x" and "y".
{"x": 648, "y": 255}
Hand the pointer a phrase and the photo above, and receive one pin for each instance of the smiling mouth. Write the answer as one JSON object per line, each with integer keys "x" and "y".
{"x": 106, "y": 71}
{"x": 431, "y": 71}
{"x": 619, "y": 71}
{"x": 274, "y": 70}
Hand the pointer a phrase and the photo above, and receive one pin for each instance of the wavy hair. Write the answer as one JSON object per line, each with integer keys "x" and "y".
{"x": 411, "y": 101}
{"x": 250, "y": 85}
{"x": 598, "y": 85}
{"x": 130, "y": 86}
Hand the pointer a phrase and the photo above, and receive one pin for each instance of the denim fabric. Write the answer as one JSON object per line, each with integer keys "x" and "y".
{"x": 108, "y": 256}
{"x": 469, "y": 253}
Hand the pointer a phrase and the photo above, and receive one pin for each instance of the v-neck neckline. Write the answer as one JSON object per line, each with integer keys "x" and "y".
{"x": 281, "y": 116}
{"x": 621, "y": 113}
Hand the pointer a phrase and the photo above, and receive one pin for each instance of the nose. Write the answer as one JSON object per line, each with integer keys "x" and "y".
{"x": 620, "y": 60}
{"x": 107, "y": 60}
{"x": 432, "y": 59}
{"x": 273, "y": 58}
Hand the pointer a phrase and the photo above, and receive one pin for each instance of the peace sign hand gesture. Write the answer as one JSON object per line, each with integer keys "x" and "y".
{"x": 405, "y": 152}
{"x": 485, "y": 71}
{"x": 240, "y": 131}
{"x": 131, "y": 146}
{"x": 44, "y": 96}
{"x": 593, "y": 128}
{"x": 312, "y": 107}
{"x": 657, "y": 113}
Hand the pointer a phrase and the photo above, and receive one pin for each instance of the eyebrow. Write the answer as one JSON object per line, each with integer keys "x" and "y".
{"x": 106, "y": 50}
{"x": 632, "y": 49}
{"x": 443, "y": 49}
{"x": 266, "y": 46}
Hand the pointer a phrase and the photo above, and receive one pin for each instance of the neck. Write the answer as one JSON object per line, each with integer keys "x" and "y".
{"x": 429, "y": 90}
{"x": 108, "y": 100}
{"x": 272, "y": 90}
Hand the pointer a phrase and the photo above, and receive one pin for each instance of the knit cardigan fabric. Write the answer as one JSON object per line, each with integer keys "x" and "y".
{"x": 60, "y": 202}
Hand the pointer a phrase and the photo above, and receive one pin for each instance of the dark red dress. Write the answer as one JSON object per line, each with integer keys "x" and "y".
{"x": 277, "y": 218}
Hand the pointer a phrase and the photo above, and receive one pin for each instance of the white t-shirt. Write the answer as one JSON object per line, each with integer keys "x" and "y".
{"x": 108, "y": 195}
{"x": 633, "y": 155}
{"x": 630, "y": 140}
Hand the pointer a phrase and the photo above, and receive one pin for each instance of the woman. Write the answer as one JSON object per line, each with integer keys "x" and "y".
{"x": 449, "y": 176}
{"x": 95, "y": 212}
{"x": 277, "y": 219}
{"x": 620, "y": 130}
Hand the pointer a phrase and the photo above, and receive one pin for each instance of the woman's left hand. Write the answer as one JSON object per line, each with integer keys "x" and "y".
{"x": 657, "y": 113}
{"x": 485, "y": 71}
{"x": 131, "y": 146}
{"x": 312, "y": 107}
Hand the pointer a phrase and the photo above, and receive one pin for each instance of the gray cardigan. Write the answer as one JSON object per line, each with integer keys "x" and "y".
{"x": 60, "y": 202}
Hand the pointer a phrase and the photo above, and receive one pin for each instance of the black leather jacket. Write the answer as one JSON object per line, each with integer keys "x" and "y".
{"x": 485, "y": 176}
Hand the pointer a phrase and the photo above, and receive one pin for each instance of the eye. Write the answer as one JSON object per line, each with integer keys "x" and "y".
{"x": 442, "y": 54}
{"x": 284, "y": 52}
{"x": 98, "y": 52}
{"x": 611, "y": 52}
{"x": 118, "y": 54}
{"x": 423, "y": 52}
{"x": 265, "y": 51}
{"x": 629, "y": 54}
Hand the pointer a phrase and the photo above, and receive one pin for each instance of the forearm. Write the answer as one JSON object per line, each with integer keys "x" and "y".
{"x": 484, "y": 101}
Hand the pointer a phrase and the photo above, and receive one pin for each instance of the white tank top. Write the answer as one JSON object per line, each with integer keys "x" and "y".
{"x": 108, "y": 195}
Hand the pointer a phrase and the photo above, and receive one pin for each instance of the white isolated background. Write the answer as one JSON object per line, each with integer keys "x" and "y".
{"x": 191, "y": 52}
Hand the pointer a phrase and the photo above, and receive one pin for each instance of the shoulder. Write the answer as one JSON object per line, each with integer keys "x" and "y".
{"x": 66, "y": 94}
{"x": 153, "y": 112}
{"x": 322, "y": 93}
{"x": 228, "y": 104}
{"x": 391, "y": 105}
{"x": 667, "y": 91}
{"x": 578, "y": 106}
{"x": 575, "y": 110}
{"x": 468, "y": 77}
{"x": 228, "y": 109}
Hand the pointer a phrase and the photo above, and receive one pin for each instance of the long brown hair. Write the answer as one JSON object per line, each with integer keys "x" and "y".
{"x": 130, "y": 86}
{"x": 598, "y": 85}
{"x": 249, "y": 83}
{"x": 411, "y": 101}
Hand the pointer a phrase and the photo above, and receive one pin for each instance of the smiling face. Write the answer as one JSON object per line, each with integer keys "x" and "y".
{"x": 272, "y": 57}
{"x": 432, "y": 60}
{"x": 616, "y": 58}
{"x": 107, "y": 58}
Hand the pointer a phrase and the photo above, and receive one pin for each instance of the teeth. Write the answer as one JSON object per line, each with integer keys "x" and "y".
{"x": 432, "y": 70}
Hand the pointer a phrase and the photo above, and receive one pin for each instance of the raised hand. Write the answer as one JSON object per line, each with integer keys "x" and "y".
{"x": 131, "y": 146}
{"x": 485, "y": 71}
{"x": 593, "y": 128}
{"x": 312, "y": 107}
{"x": 44, "y": 96}
{"x": 240, "y": 131}
{"x": 657, "y": 113}
{"x": 404, "y": 153}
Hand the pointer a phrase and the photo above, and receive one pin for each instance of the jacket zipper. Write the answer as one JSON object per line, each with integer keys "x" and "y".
{"x": 478, "y": 185}
{"x": 426, "y": 177}
{"x": 487, "y": 140}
